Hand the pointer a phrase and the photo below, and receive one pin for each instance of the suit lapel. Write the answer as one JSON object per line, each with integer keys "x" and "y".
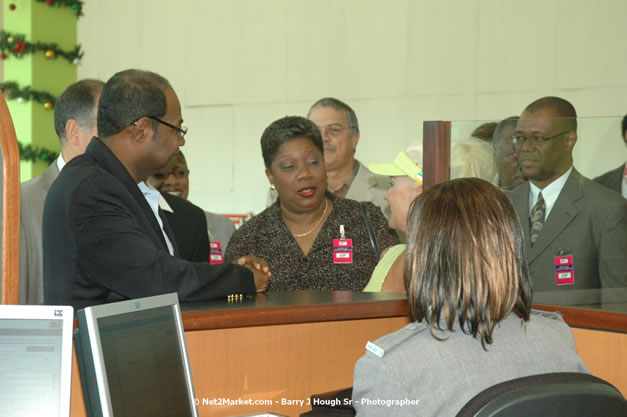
{"x": 49, "y": 175}
{"x": 562, "y": 213}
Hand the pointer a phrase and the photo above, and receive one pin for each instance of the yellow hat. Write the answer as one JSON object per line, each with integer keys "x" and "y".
{"x": 402, "y": 165}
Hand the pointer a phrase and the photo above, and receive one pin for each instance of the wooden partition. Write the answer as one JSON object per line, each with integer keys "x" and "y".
{"x": 10, "y": 251}
{"x": 281, "y": 348}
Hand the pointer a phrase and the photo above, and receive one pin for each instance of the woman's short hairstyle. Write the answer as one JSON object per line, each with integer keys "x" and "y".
{"x": 465, "y": 259}
{"x": 472, "y": 157}
{"x": 284, "y": 129}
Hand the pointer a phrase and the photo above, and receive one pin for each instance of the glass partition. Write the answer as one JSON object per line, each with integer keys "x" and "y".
{"x": 579, "y": 255}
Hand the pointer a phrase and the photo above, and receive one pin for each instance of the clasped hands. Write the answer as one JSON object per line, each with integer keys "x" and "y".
{"x": 260, "y": 269}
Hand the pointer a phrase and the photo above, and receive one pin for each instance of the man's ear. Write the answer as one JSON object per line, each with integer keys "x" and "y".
{"x": 142, "y": 129}
{"x": 73, "y": 132}
{"x": 355, "y": 141}
{"x": 571, "y": 139}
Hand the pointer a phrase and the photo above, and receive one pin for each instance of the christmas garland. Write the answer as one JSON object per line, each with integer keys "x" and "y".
{"x": 12, "y": 91}
{"x": 35, "y": 153}
{"x": 16, "y": 45}
{"x": 76, "y": 5}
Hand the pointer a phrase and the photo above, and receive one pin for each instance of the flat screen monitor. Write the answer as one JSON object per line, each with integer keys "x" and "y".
{"x": 133, "y": 359}
{"x": 35, "y": 360}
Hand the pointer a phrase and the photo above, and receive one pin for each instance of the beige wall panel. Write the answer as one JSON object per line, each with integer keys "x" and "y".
{"x": 600, "y": 101}
{"x": 590, "y": 43}
{"x": 209, "y": 153}
{"x": 259, "y": 53}
{"x": 516, "y": 45}
{"x": 316, "y": 50}
{"x": 376, "y": 63}
{"x": 207, "y": 47}
{"x": 441, "y": 47}
{"x": 159, "y": 48}
{"x": 599, "y": 146}
{"x": 498, "y": 106}
{"x": 381, "y": 142}
{"x": 117, "y": 37}
{"x": 250, "y": 182}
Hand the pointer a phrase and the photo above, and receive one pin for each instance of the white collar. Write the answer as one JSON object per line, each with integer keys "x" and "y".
{"x": 550, "y": 193}
{"x": 61, "y": 162}
{"x": 153, "y": 197}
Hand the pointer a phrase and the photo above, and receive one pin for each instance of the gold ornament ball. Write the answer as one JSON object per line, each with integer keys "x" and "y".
{"x": 49, "y": 53}
{"x": 10, "y": 39}
{"x": 48, "y": 105}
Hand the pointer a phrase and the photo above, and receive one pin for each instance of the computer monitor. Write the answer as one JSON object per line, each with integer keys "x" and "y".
{"x": 35, "y": 360}
{"x": 133, "y": 359}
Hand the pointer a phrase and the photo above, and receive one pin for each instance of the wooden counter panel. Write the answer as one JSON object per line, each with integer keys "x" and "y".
{"x": 590, "y": 319}
{"x": 289, "y": 362}
{"x": 605, "y": 355}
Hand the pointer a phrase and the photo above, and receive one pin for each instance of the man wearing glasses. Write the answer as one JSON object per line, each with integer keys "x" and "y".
{"x": 104, "y": 241}
{"x": 346, "y": 176}
{"x": 575, "y": 230}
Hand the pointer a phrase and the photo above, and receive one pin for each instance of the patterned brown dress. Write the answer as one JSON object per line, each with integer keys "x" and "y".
{"x": 267, "y": 237}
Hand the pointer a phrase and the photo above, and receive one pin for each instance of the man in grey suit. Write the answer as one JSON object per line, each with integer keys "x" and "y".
{"x": 575, "y": 229}
{"x": 616, "y": 179}
{"x": 347, "y": 177}
{"x": 75, "y": 124}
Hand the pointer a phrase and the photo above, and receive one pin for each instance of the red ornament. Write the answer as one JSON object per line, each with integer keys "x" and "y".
{"x": 3, "y": 56}
{"x": 49, "y": 2}
{"x": 11, "y": 6}
{"x": 19, "y": 48}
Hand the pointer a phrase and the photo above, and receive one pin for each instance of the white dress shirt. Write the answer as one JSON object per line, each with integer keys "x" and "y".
{"x": 549, "y": 193}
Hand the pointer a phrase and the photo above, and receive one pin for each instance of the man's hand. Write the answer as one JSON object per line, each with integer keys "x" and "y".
{"x": 260, "y": 269}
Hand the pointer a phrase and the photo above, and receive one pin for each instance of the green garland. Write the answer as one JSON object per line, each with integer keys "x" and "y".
{"x": 76, "y": 5}
{"x": 16, "y": 45}
{"x": 12, "y": 91}
{"x": 36, "y": 153}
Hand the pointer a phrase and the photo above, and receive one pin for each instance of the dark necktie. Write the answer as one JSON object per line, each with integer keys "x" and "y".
{"x": 536, "y": 219}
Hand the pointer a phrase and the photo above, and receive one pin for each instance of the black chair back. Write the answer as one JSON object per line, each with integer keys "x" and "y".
{"x": 565, "y": 394}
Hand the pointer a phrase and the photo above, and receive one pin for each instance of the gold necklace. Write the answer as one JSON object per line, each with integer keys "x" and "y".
{"x": 326, "y": 205}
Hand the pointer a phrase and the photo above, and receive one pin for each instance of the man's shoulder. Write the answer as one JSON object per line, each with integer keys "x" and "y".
{"x": 372, "y": 178}
{"x": 611, "y": 177}
{"x": 600, "y": 195}
{"x": 41, "y": 183}
{"x": 183, "y": 206}
{"x": 214, "y": 219}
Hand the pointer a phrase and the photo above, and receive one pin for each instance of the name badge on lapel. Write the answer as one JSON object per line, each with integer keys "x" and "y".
{"x": 342, "y": 249}
{"x": 564, "y": 270}
{"x": 216, "y": 256}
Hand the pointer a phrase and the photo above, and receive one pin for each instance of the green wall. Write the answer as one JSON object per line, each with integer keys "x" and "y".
{"x": 39, "y": 22}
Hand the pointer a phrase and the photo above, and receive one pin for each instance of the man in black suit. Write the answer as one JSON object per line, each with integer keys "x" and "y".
{"x": 103, "y": 240}
{"x": 189, "y": 226}
{"x": 616, "y": 179}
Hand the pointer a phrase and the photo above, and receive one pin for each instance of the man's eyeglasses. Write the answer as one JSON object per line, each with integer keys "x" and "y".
{"x": 180, "y": 132}
{"x": 333, "y": 130}
{"x": 519, "y": 140}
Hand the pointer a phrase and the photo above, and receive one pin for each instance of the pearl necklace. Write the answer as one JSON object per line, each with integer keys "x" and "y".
{"x": 324, "y": 212}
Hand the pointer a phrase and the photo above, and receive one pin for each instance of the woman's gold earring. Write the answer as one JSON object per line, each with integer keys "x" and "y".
{"x": 272, "y": 187}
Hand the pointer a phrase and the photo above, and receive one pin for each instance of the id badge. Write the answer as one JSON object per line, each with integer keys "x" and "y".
{"x": 216, "y": 257}
{"x": 564, "y": 270}
{"x": 342, "y": 251}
